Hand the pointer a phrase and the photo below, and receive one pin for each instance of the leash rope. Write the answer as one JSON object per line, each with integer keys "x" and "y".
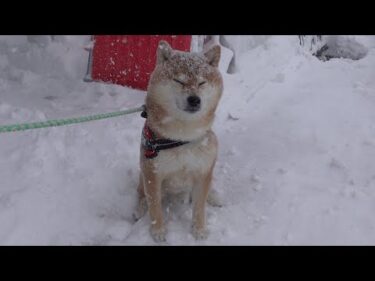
{"x": 68, "y": 121}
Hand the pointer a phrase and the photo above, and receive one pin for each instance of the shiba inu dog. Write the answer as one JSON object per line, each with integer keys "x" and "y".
{"x": 179, "y": 148}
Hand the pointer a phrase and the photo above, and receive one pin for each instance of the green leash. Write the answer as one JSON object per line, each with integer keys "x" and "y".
{"x": 63, "y": 122}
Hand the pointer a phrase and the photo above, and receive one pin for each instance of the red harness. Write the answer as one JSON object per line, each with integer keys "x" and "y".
{"x": 153, "y": 145}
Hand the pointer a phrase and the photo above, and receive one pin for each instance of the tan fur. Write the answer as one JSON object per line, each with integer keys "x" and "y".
{"x": 187, "y": 168}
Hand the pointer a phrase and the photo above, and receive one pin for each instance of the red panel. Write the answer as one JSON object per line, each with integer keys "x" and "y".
{"x": 129, "y": 60}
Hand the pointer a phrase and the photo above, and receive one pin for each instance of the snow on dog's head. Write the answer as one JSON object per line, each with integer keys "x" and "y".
{"x": 185, "y": 85}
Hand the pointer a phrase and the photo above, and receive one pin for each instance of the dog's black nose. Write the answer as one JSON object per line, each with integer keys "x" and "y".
{"x": 194, "y": 101}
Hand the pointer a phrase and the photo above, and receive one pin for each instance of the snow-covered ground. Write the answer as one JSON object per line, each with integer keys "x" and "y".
{"x": 296, "y": 163}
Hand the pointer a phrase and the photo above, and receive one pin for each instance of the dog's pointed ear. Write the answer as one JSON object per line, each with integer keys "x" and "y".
{"x": 213, "y": 55}
{"x": 164, "y": 52}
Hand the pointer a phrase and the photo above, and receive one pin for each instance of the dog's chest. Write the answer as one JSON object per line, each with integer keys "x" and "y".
{"x": 197, "y": 157}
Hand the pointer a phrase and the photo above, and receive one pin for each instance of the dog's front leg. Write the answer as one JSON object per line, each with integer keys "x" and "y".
{"x": 141, "y": 208}
{"x": 152, "y": 184}
{"x": 200, "y": 193}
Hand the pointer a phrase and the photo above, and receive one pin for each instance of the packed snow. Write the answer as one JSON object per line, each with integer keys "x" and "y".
{"x": 296, "y": 162}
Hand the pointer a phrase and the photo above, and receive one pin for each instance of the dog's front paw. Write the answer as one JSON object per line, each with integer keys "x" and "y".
{"x": 199, "y": 233}
{"x": 214, "y": 199}
{"x": 158, "y": 233}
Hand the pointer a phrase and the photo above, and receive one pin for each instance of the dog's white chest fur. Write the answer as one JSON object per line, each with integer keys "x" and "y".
{"x": 182, "y": 164}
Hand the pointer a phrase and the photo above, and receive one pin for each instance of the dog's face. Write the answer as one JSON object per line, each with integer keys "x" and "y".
{"x": 186, "y": 85}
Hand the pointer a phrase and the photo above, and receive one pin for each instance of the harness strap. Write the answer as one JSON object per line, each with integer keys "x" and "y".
{"x": 152, "y": 145}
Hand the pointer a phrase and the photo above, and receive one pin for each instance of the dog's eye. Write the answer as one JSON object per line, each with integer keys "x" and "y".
{"x": 179, "y": 82}
{"x": 202, "y": 83}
